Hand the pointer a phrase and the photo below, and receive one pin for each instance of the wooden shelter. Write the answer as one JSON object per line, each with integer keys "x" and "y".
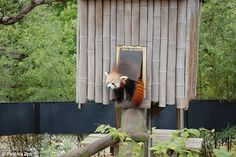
{"x": 168, "y": 29}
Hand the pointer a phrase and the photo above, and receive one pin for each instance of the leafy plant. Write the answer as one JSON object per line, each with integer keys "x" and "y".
{"x": 176, "y": 143}
{"x": 53, "y": 148}
{"x": 223, "y": 152}
{"x": 124, "y": 139}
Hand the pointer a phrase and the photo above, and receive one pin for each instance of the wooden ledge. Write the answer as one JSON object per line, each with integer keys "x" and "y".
{"x": 163, "y": 135}
{"x": 127, "y": 104}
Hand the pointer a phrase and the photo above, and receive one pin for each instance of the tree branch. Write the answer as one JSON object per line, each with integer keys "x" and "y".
{"x": 25, "y": 10}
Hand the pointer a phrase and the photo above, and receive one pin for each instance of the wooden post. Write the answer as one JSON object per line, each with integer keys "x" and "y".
{"x": 180, "y": 119}
{"x": 134, "y": 122}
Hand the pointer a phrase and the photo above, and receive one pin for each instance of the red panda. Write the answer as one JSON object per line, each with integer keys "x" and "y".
{"x": 137, "y": 98}
{"x": 134, "y": 89}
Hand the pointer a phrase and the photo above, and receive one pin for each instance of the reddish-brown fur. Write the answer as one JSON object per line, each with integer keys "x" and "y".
{"x": 138, "y": 96}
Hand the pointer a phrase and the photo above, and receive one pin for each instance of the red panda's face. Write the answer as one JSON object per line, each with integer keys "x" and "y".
{"x": 114, "y": 80}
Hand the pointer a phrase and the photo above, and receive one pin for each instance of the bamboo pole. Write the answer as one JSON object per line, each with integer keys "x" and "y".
{"x": 149, "y": 48}
{"x": 163, "y": 52}
{"x": 171, "y": 53}
{"x": 156, "y": 50}
{"x": 77, "y": 53}
{"x": 113, "y": 39}
{"x": 135, "y": 22}
{"x": 120, "y": 23}
{"x": 197, "y": 20}
{"x": 128, "y": 22}
{"x": 98, "y": 54}
{"x": 83, "y": 53}
{"x": 181, "y": 48}
{"x": 189, "y": 52}
{"x": 91, "y": 49}
{"x": 143, "y": 22}
{"x": 106, "y": 47}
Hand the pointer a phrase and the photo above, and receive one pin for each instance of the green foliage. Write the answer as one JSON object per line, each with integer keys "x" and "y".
{"x": 223, "y": 152}
{"x": 217, "y": 53}
{"x": 215, "y": 143}
{"x": 124, "y": 139}
{"x": 11, "y": 7}
{"x": 53, "y": 148}
{"x": 176, "y": 143}
{"x": 47, "y": 38}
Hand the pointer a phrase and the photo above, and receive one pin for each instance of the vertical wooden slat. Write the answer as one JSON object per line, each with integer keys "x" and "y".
{"x": 156, "y": 50}
{"x": 98, "y": 46}
{"x": 189, "y": 52}
{"x": 77, "y": 53}
{"x": 135, "y": 22}
{"x": 128, "y": 23}
{"x": 120, "y": 23}
{"x": 197, "y": 6}
{"x": 149, "y": 47}
{"x": 181, "y": 48}
{"x": 113, "y": 38}
{"x": 163, "y": 52}
{"x": 143, "y": 22}
{"x": 106, "y": 47}
{"x": 83, "y": 52}
{"x": 170, "y": 100}
{"x": 91, "y": 49}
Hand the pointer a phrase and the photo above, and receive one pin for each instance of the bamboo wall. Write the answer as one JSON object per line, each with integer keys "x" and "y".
{"x": 167, "y": 28}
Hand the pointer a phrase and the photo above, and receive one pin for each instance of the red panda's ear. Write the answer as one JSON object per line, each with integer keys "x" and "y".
{"x": 123, "y": 78}
{"x": 106, "y": 73}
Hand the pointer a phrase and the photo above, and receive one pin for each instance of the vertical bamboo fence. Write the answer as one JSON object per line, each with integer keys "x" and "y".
{"x": 167, "y": 28}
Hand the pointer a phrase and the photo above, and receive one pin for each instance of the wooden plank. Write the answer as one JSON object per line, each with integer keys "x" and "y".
{"x": 82, "y": 93}
{"x": 181, "y": 48}
{"x": 120, "y": 22}
{"x": 143, "y": 22}
{"x": 98, "y": 45}
{"x": 156, "y": 51}
{"x": 170, "y": 100}
{"x": 135, "y": 22}
{"x": 106, "y": 48}
{"x": 113, "y": 39}
{"x": 91, "y": 49}
{"x": 149, "y": 49}
{"x": 128, "y": 22}
{"x": 163, "y": 52}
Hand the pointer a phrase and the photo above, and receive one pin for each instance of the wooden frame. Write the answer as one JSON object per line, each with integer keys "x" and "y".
{"x": 134, "y": 49}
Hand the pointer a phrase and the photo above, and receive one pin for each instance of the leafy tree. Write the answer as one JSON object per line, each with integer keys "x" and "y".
{"x": 46, "y": 72}
{"x": 217, "y": 58}
{"x": 13, "y": 11}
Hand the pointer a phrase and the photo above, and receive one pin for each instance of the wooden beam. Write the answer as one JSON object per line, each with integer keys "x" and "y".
{"x": 92, "y": 148}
